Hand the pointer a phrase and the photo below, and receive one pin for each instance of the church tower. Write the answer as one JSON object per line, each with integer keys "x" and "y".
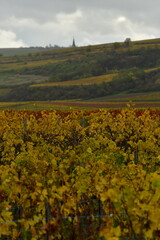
{"x": 73, "y": 44}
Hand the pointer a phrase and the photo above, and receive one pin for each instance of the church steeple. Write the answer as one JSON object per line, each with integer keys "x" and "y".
{"x": 73, "y": 44}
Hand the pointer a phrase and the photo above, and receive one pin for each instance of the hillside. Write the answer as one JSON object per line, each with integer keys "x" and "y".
{"x": 23, "y": 50}
{"x": 81, "y": 72}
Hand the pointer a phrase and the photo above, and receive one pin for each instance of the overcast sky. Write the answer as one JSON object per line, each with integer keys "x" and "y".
{"x": 44, "y": 22}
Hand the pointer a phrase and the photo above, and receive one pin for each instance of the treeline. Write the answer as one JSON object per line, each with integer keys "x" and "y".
{"x": 132, "y": 80}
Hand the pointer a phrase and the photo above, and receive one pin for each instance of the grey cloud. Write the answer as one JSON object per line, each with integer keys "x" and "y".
{"x": 38, "y": 22}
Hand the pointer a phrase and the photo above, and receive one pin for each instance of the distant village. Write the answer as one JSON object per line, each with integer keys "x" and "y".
{"x": 50, "y": 46}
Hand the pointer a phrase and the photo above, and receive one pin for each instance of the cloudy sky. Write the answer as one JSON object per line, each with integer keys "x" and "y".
{"x": 44, "y": 22}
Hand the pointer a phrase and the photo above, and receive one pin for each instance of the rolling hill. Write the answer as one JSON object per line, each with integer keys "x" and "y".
{"x": 81, "y": 72}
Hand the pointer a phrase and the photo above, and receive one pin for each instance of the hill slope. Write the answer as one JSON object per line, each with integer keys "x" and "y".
{"x": 81, "y": 72}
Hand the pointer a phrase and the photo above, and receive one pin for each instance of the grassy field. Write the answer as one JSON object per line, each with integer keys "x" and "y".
{"x": 4, "y": 91}
{"x": 125, "y": 97}
{"x": 139, "y": 100}
{"x": 27, "y": 64}
{"x": 13, "y": 80}
{"x": 36, "y": 106}
{"x": 68, "y": 105}
{"x": 84, "y": 81}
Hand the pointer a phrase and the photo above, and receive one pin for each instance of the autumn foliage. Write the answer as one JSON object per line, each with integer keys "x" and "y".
{"x": 80, "y": 175}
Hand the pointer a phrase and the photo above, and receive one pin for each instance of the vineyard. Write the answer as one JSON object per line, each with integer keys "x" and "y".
{"x": 80, "y": 175}
{"x": 81, "y": 73}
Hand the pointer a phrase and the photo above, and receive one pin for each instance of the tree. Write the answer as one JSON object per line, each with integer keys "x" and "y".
{"x": 127, "y": 42}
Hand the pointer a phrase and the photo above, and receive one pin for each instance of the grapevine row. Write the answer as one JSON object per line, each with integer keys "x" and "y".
{"x": 60, "y": 171}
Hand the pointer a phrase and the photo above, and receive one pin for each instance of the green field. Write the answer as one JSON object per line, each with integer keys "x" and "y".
{"x": 69, "y": 105}
{"x": 136, "y": 97}
{"x": 13, "y": 80}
